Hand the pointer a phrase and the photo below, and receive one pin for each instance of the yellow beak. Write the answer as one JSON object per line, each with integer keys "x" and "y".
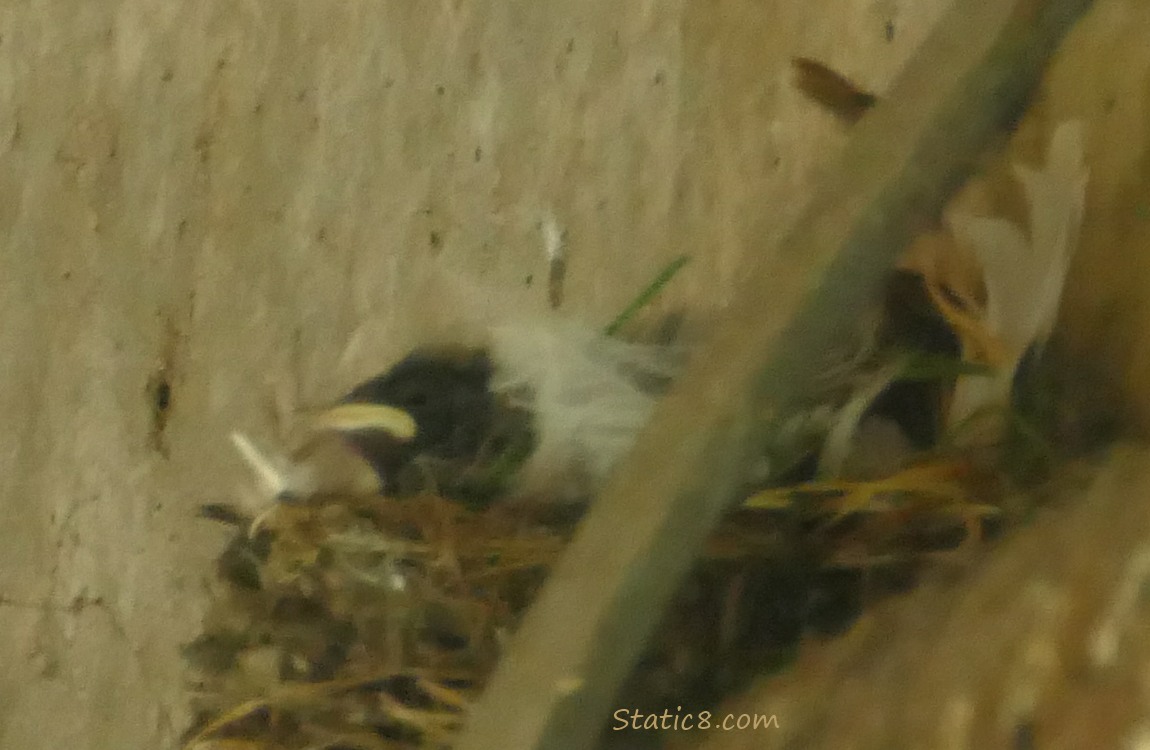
{"x": 363, "y": 417}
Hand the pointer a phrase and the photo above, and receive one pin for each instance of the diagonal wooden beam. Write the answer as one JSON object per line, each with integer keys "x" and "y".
{"x": 970, "y": 79}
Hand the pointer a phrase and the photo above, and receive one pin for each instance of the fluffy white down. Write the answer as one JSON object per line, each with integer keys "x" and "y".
{"x": 591, "y": 395}
{"x": 1025, "y": 274}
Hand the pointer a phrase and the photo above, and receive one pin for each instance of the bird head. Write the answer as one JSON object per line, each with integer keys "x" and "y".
{"x": 434, "y": 404}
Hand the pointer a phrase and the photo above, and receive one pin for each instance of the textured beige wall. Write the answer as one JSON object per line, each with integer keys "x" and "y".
{"x": 265, "y": 195}
{"x": 1103, "y": 78}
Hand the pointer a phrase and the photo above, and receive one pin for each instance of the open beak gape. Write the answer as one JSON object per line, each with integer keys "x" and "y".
{"x": 352, "y": 418}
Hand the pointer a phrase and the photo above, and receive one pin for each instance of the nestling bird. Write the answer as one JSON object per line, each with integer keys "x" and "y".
{"x": 545, "y": 408}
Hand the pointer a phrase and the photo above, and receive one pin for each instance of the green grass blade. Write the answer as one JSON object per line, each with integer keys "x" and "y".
{"x": 649, "y": 293}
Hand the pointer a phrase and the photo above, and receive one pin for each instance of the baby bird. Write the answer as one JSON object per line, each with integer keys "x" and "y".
{"x": 546, "y": 409}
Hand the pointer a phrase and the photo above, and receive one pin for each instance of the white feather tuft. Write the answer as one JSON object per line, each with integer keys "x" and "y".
{"x": 1024, "y": 277}
{"x": 590, "y": 394}
{"x": 554, "y": 239}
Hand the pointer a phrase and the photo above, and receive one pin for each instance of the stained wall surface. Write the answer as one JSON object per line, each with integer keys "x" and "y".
{"x": 260, "y": 202}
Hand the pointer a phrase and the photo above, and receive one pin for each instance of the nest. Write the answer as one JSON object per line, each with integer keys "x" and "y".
{"x": 369, "y": 622}
{"x": 353, "y": 621}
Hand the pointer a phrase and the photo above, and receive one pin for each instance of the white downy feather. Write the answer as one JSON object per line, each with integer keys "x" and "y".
{"x": 591, "y": 396}
{"x": 1024, "y": 277}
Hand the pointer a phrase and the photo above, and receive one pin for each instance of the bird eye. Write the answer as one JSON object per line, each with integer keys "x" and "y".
{"x": 416, "y": 399}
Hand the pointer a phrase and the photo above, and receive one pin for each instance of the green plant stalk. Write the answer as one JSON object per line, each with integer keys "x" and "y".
{"x": 649, "y": 293}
